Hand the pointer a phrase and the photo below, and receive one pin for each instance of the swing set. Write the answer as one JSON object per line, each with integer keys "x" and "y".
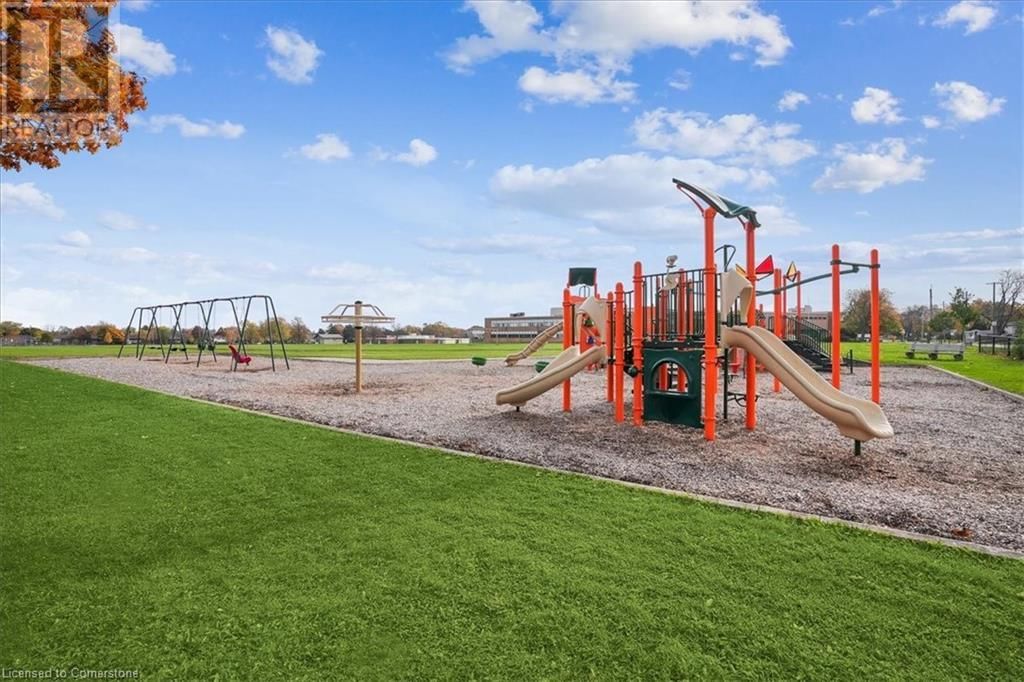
{"x": 148, "y": 333}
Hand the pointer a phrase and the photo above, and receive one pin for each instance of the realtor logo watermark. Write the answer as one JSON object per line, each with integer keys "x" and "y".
{"x": 60, "y": 73}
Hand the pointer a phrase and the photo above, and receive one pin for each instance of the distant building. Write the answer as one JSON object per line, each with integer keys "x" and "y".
{"x": 476, "y": 333}
{"x": 818, "y": 318}
{"x": 328, "y": 338}
{"x": 519, "y": 327}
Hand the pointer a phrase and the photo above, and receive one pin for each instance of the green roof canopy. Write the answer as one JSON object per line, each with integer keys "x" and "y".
{"x": 725, "y": 207}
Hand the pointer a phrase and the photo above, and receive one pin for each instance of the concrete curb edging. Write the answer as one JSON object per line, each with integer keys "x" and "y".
{"x": 980, "y": 384}
{"x": 709, "y": 499}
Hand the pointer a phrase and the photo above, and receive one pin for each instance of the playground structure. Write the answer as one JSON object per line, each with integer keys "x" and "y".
{"x": 665, "y": 335}
{"x": 206, "y": 309}
{"x": 355, "y": 314}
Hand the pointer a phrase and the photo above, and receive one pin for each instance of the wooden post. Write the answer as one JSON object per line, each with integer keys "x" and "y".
{"x": 837, "y": 359}
{"x": 568, "y": 329}
{"x": 359, "y": 346}
{"x": 710, "y": 325}
{"x": 876, "y": 315}
{"x": 779, "y": 321}
{"x": 638, "y": 343}
{"x": 620, "y": 352}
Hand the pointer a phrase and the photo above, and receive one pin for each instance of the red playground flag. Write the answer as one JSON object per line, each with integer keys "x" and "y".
{"x": 766, "y": 267}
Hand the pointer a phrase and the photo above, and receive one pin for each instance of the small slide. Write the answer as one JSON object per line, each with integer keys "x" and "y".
{"x": 535, "y": 344}
{"x": 856, "y": 418}
{"x": 564, "y": 366}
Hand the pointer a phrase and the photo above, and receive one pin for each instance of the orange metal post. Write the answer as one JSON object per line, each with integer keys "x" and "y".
{"x": 620, "y": 352}
{"x": 751, "y": 371}
{"x": 607, "y": 341}
{"x": 638, "y": 343}
{"x": 567, "y": 341}
{"x": 836, "y": 321}
{"x": 876, "y": 381}
{"x": 710, "y": 326}
{"x": 778, "y": 319}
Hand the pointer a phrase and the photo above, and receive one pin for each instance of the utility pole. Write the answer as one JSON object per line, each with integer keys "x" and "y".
{"x": 993, "y": 322}
{"x": 931, "y": 310}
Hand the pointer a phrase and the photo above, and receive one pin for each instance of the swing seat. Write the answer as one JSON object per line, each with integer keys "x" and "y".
{"x": 238, "y": 357}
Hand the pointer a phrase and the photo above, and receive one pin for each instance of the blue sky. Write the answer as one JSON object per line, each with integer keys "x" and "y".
{"x": 451, "y": 161}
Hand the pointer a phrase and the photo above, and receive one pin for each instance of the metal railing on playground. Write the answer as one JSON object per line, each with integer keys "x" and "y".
{"x": 673, "y": 307}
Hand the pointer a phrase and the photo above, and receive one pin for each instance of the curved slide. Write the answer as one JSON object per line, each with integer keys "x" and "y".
{"x": 535, "y": 344}
{"x": 564, "y": 366}
{"x": 856, "y": 418}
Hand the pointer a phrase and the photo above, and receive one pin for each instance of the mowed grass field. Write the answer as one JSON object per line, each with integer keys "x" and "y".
{"x": 302, "y": 350}
{"x": 184, "y": 540}
{"x": 995, "y": 370}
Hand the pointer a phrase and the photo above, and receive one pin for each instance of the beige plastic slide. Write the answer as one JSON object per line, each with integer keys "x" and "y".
{"x": 856, "y": 418}
{"x": 535, "y": 344}
{"x": 564, "y": 366}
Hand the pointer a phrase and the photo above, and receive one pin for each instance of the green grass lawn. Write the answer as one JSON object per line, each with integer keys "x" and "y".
{"x": 145, "y": 531}
{"x": 995, "y": 370}
{"x": 304, "y": 350}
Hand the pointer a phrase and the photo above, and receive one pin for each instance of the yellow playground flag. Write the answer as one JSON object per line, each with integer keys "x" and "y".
{"x": 791, "y": 271}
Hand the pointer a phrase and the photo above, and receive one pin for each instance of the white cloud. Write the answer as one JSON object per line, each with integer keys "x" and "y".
{"x": 122, "y": 222}
{"x": 967, "y": 103}
{"x": 930, "y": 122}
{"x": 738, "y": 137}
{"x": 37, "y": 306}
{"x": 420, "y": 154}
{"x": 680, "y": 80}
{"x": 970, "y": 235}
{"x": 135, "y": 5}
{"x": 131, "y": 254}
{"x": 626, "y": 194}
{"x": 581, "y": 86}
{"x": 876, "y": 106}
{"x": 599, "y": 39}
{"x": 538, "y": 245}
{"x": 25, "y": 196}
{"x": 75, "y": 238}
{"x": 189, "y": 128}
{"x": 328, "y": 147}
{"x": 873, "y": 13}
{"x": 791, "y": 99}
{"x": 292, "y": 58}
{"x": 974, "y": 15}
{"x": 354, "y": 273}
{"x": 137, "y": 52}
{"x": 883, "y": 163}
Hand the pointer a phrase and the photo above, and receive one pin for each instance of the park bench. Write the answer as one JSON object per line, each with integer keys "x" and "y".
{"x": 934, "y": 349}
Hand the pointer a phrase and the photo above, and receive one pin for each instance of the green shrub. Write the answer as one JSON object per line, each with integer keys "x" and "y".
{"x": 1017, "y": 349}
